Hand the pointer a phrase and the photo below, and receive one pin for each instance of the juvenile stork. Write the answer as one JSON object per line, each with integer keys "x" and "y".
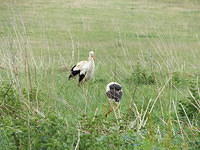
{"x": 114, "y": 93}
{"x": 85, "y": 69}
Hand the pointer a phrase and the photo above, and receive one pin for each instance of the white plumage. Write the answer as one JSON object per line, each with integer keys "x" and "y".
{"x": 85, "y": 69}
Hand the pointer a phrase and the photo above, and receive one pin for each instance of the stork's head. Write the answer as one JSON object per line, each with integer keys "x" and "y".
{"x": 91, "y": 54}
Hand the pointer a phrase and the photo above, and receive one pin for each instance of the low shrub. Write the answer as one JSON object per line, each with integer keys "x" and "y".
{"x": 23, "y": 128}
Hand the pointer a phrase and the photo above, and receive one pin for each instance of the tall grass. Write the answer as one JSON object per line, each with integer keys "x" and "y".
{"x": 150, "y": 47}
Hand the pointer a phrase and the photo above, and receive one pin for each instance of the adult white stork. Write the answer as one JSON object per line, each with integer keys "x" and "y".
{"x": 85, "y": 69}
{"x": 114, "y": 93}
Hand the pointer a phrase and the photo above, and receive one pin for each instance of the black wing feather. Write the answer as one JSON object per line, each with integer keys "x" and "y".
{"x": 81, "y": 77}
{"x": 74, "y": 72}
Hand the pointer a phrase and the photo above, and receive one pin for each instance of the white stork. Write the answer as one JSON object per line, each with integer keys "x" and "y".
{"x": 85, "y": 69}
{"x": 114, "y": 93}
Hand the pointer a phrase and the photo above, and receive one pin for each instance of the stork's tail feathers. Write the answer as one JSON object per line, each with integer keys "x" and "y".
{"x": 70, "y": 76}
{"x": 73, "y": 72}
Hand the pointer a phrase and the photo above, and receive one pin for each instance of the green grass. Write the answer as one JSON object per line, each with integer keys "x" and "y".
{"x": 150, "y": 47}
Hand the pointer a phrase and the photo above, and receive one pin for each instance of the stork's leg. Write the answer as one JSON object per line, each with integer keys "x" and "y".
{"x": 109, "y": 111}
{"x": 114, "y": 107}
{"x": 118, "y": 110}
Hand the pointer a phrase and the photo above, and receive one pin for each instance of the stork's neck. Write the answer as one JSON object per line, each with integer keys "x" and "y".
{"x": 90, "y": 59}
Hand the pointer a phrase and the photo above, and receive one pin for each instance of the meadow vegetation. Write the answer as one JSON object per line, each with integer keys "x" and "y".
{"x": 151, "y": 47}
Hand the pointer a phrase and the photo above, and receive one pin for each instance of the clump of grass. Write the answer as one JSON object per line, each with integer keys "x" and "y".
{"x": 142, "y": 76}
{"x": 104, "y": 133}
{"x": 9, "y": 99}
{"x": 34, "y": 94}
{"x": 190, "y": 108}
{"x": 179, "y": 79}
{"x": 93, "y": 131}
{"x": 8, "y": 93}
{"x": 100, "y": 132}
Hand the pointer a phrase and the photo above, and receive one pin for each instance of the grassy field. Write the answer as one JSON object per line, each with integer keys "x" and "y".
{"x": 151, "y": 47}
